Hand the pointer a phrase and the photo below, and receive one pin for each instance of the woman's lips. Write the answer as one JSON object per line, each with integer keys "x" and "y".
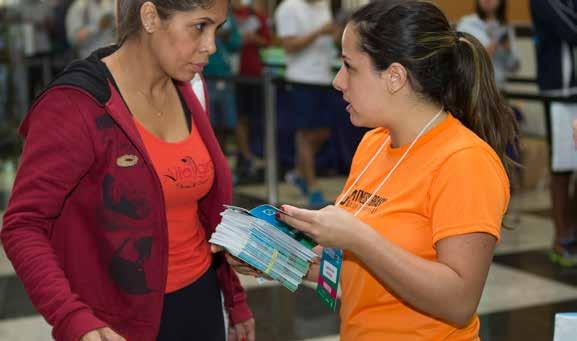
{"x": 349, "y": 105}
{"x": 198, "y": 67}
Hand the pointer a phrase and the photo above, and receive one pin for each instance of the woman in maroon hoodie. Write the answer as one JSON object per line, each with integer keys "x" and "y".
{"x": 121, "y": 183}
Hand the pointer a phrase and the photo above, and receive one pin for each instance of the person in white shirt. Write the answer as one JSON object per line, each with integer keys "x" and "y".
{"x": 306, "y": 31}
{"x": 90, "y": 25}
{"x": 489, "y": 26}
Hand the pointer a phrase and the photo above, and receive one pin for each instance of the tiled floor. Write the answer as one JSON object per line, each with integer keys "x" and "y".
{"x": 523, "y": 291}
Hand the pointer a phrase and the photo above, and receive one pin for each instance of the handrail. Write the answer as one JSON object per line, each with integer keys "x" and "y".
{"x": 521, "y": 79}
{"x": 539, "y": 97}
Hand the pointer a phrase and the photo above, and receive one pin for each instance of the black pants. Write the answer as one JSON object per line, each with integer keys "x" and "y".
{"x": 194, "y": 313}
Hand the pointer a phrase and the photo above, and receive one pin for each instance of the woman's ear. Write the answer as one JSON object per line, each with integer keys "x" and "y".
{"x": 395, "y": 77}
{"x": 149, "y": 17}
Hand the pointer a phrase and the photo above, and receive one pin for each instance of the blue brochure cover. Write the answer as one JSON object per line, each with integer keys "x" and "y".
{"x": 268, "y": 214}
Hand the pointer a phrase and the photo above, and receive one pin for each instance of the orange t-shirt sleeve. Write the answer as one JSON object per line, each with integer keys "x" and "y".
{"x": 469, "y": 194}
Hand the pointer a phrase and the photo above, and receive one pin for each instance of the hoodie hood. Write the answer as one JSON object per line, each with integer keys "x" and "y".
{"x": 90, "y": 75}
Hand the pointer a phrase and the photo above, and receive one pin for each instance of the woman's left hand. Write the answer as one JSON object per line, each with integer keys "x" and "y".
{"x": 330, "y": 226}
{"x": 243, "y": 331}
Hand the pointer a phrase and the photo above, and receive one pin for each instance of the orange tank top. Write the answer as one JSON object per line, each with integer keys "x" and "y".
{"x": 186, "y": 172}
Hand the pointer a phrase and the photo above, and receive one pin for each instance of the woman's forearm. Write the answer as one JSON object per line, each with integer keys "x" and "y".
{"x": 430, "y": 287}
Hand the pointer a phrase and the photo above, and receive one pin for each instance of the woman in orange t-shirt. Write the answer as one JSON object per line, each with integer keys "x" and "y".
{"x": 421, "y": 212}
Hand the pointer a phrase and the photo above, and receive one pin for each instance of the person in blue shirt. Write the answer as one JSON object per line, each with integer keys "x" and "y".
{"x": 555, "y": 29}
{"x": 222, "y": 99}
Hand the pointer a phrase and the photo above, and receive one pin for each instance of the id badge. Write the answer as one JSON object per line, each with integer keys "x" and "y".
{"x": 329, "y": 277}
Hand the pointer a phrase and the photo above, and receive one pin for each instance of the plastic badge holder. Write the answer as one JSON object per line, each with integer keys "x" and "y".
{"x": 329, "y": 277}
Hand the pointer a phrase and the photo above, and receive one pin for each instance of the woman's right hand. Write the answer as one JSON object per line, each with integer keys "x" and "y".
{"x": 237, "y": 264}
{"x": 102, "y": 334}
{"x": 244, "y": 268}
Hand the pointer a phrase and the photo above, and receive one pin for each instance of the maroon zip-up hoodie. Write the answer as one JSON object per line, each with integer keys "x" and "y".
{"x": 86, "y": 227}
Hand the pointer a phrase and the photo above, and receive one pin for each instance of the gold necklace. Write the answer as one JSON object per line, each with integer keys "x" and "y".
{"x": 159, "y": 113}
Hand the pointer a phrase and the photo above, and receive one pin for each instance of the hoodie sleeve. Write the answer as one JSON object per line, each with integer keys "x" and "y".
{"x": 234, "y": 294}
{"x": 57, "y": 153}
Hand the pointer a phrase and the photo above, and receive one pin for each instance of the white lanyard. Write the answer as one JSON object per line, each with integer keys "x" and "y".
{"x": 391, "y": 171}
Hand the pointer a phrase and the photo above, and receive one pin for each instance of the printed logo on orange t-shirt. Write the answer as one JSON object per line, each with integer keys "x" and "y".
{"x": 358, "y": 197}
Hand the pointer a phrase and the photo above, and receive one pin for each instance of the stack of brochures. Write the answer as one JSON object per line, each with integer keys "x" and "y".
{"x": 265, "y": 243}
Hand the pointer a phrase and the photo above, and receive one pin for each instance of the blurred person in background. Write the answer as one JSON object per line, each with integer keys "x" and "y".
{"x": 555, "y": 28}
{"x": 255, "y": 32}
{"x": 59, "y": 39}
{"x": 306, "y": 30}
{"x": 489, "y": 25}
{"x": 90, "y": 25}
{"x": 61, "y": 53}
{"x": 121, "y": 182}
{"x": 341, "y": 20}
{"x": 221, "y": 93}
{"x": 36, "y": 44}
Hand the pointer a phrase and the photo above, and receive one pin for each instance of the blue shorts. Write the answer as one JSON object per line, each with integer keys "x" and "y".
{"x": 222, "y": 104}
{"x": 250, "y": 101}
{"x": 313, "y": 107}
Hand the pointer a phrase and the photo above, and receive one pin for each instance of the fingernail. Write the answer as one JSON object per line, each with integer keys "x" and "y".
{"x": 277, "y": 215}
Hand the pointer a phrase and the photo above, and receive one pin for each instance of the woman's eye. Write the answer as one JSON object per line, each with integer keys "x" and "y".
{"x": 199, "y": 27}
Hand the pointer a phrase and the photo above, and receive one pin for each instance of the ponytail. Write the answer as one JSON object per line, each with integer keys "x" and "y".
{"x": 472, "y": 96}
